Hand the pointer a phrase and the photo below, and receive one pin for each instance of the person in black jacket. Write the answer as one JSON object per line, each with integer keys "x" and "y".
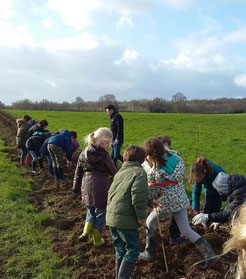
{"x": 117, "y": 128}
{"x": 234, "y": 188}
{"x": 39, "y": 127}
{"x": 33, "y": 145}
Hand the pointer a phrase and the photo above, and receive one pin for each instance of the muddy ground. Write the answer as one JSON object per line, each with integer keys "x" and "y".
{"x": 88, "y": 262}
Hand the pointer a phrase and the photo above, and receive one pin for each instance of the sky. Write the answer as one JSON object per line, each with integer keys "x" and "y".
{"x": 134, "y": 49}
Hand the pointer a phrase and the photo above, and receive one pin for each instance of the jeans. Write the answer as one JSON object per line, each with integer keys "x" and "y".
{"x": 23, "y": 153}
{"x": 96, "y": 216}
{"x": 49, "y": 160}
{"x": 115, "y": 151}
{"x": 126, "y": 244}
{"x": 181, "y": 219}
{"x": 34, "y": 156}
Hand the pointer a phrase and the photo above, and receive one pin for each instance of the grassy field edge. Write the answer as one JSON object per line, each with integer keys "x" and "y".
{"x": 25, "y": 248}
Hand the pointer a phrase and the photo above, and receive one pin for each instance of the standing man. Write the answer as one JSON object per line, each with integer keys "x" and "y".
{"x": 117, "y": 128}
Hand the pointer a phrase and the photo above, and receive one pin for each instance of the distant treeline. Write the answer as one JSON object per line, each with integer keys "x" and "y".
{"x": 178, "y": 104}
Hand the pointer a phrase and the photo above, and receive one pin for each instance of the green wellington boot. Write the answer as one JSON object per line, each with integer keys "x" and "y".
{"x": 86, "y": 231}
{"x": 97, "y": 238}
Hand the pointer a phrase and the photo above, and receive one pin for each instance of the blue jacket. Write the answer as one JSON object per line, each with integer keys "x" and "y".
{"x": 64, "y": 141}
{"x": 207, "y": 185}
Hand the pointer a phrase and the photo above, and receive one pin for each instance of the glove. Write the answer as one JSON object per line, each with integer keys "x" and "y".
{"x": 199, "y": 218}
{"x": 196, "y": 211}
{"x": 214, "y": 225}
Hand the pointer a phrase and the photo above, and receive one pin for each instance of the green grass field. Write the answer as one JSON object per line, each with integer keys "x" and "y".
{"x": 219, "y": 137}
{"x": 25, "y": 249}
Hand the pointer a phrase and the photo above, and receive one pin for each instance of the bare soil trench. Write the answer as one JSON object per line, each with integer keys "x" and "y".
{"x": 89, "y": 262}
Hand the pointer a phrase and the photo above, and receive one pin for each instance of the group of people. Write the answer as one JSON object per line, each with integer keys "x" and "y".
{"x": 36, "y": 142}
{"x": 151, "y": 175}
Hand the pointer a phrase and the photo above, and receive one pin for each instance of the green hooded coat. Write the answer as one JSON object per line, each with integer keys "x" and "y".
{"x": 127, "y": 197}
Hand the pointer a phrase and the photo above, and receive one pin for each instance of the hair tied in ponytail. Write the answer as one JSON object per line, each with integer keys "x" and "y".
{"x": 198, "y": 161}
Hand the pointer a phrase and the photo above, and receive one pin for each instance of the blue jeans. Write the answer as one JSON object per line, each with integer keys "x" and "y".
{"x": 115, "y": 151}
{"x": 126, "y": 244}
{"x": 49, "y": 160}
{"x": 23, "y": 153}
{"x": 34, "y": 156}
{"x": 96, "y": 216}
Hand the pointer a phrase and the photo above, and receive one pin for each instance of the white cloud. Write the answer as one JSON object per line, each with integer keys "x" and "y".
{"x": 48, "y": 23}
{"x": 127, "y": 57}
{"x": 7, "y": 11}
{"x": 177, "y": 4}
{"x": 240, "y": 80}
{"x": 125, "y": 20}
{"x": 15, "y": 36}
{"x": 51, "y": 83}
{"x": 236, "y": 36}
{"x": 82, "y": 41}
{"x": 75, "y": 13}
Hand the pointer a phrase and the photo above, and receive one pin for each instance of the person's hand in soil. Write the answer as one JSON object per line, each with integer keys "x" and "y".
{"x": 199, "y": 218}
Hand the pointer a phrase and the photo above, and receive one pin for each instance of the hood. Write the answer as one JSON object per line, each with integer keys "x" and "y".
{"x": 66, "y": 133}
{"x": 20, "y": 122}
{"x": 94, "y": 154}
{"x": 236, "y": 181}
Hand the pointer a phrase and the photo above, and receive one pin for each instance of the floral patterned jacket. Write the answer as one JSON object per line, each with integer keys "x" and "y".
{"x": 168, "y": 189}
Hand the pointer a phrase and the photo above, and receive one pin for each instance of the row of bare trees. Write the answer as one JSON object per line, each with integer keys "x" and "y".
{"x": 178, "y": 104}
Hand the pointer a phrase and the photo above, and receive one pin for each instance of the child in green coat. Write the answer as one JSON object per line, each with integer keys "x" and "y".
{"x": 126, "y": 209}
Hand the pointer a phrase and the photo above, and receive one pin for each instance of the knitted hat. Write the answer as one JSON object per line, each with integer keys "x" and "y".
{"x": 221, "y": 183}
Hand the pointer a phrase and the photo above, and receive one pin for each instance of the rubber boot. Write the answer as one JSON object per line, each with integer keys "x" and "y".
{"x": 86, "y": 231}
{"x": 22, "y": 162}
{"x": 40, "y": 162}
{"x": 34, "y": 167}
{"x": 125, "y": 270}
{"x": 207, "y": 252}
{"x": 97, "y": 238}
{"x": 29, "y": 160}
{"x": 150, "y": 249}
{"x": 117, "y": 267}
{"x": 51, "y": 170}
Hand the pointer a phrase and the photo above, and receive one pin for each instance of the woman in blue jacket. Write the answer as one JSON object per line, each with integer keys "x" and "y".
{"x": 203, "y": 172}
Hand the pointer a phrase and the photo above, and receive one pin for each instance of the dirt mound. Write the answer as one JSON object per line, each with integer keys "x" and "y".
{"x": 89, "y": 262}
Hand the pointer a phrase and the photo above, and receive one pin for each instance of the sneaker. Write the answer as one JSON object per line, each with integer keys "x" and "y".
{"x": 178, "y": 240}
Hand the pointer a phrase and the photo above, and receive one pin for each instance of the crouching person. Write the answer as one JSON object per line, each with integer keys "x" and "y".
{"x": 56, "y": 146}
{"x": 126, "y": 209}
{"x": 234, "y": 188}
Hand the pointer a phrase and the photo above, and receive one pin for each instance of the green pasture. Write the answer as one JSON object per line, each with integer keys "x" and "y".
{"x": 25, "y": 249}
{"x": 219, "y": 137}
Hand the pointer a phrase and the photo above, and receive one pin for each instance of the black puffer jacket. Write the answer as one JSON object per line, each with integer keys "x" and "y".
{"x": 236, "y": 197}
{"x": 92, "y": 175}
{"x": 35, "y": 128}
{"x": 35, "y": 142}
